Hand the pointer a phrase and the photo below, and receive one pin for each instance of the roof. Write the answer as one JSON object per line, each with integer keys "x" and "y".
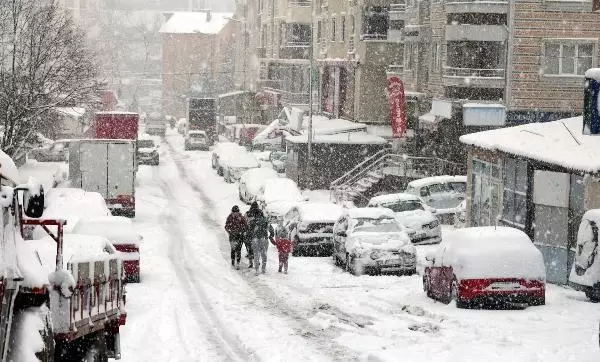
{"x": 560, "y": 143}
{"x": 325, "y": 126}
{"x": 75, "y": 112}
{"x": 358, "y": 138}
{"x": 370, "y": 213}
{"x": 384, "y": 199}
{"x": 436, "y": 179}
{"x": 195, "y": 23}
{"x": 8, "y": 169}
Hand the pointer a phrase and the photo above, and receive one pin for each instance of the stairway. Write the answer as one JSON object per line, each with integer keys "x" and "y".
{"x": 354, "y": 186}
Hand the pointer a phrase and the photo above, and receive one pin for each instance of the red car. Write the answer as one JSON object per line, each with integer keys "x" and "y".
{"x": 486, "y": 266}
{"x": 120, "y": 232}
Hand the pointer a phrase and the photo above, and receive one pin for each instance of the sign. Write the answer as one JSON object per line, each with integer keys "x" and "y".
{"x": 591, "y": 107}
{"x": 397, "y": 100}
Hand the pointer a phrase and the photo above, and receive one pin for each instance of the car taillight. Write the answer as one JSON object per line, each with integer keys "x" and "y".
{"x": 537, "y": 284}
{"x": 126, "y": 199}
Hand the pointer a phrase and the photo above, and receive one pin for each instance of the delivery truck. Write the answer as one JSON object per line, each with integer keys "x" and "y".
{"x": 202, "y": 116}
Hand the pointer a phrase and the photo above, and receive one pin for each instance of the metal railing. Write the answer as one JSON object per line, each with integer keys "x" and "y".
{"x": 299, "y": 2}
{"x": 474, "y": 72}
{"x": 398, "y": 8}
{"x": 377, "y": 36}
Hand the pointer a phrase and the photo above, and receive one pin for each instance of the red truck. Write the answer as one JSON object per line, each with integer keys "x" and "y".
{"x": 71, "y": 286}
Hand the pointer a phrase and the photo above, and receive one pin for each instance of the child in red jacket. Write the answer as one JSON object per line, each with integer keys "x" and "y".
{"x": 284, "y": 247}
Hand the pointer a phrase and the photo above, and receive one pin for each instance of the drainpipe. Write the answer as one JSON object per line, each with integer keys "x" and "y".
{"x": 509, "y": 60}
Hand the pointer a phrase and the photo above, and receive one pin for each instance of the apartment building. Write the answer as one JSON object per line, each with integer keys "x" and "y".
{"x": 354, "y": 46}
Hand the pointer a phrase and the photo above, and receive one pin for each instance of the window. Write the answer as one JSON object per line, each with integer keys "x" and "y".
{"x": 375, "y": 22}
{"x": 343, "y": 29}
{"x": 332, "y": 29}
{"x": 436, "y": 57}
{"x": 568, "y": 58}
{"x": 485, "y": 195}
{"x": 515, "y": 192}
{"x": 409, "y": 56}
{"x": 319, "y": 31}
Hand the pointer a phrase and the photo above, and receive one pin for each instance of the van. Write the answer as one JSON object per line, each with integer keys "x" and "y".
{"x": 442, "y": 193}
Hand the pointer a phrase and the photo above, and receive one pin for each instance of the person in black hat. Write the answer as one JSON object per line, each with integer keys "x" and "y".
{"x": 236, "y": 226}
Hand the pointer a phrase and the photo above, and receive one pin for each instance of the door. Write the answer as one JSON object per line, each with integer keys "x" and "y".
{"x": 94, "y": 167}
{"x": 121, "y": 157}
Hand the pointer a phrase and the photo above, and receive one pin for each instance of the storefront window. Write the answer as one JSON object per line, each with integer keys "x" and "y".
{"x": 515, "y": 192}
{"x": 485, "y": 198}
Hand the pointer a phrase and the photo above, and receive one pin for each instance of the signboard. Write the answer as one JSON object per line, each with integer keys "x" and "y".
{"x": 591, "y": 107}
{"x": 397, "y": 100}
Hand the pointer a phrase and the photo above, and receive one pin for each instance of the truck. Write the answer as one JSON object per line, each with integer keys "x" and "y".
{"x": 202, "y": 116}
{"x": 156, "y": 124}
{"x": 114, "y": 125}
{"x": 57, "y": 303}
{"x": 106, "y": 166}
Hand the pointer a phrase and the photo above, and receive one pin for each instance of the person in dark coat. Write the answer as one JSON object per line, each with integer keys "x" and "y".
{"x": 250, "y": 216}
{"x": 237, "y": 227}
{"x": 260, "y": 231}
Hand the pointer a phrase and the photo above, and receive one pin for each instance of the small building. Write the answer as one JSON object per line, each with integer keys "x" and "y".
{"x": 538, "y": 177}
{"x": 72, "y": 121}
{"x": 332, "y": 156}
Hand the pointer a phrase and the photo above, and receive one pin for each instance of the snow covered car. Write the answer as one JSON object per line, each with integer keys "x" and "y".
{"x": 196, "y": 140}
{"x": 486, "y": 266}
{"x": 277, "y": 159}
{"x": 277, "y": 196}
{"x": 585, "y": 273}
{"x": 71, "y": 204}
{"x": 147, "y": 152}
{"x": 252, "y": 180}
{"x": 422, "y": 225}
{"x": 371, "y": 239}
{"x": 221, "y": 149}
{"x": 310, "y": 226}
{"x": 120, "y": 232}
{"x": 235, "y": 162}
{"x": 442, "y": 193}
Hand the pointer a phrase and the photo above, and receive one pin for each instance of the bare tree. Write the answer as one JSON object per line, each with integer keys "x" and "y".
{"x": 44, "y": 63}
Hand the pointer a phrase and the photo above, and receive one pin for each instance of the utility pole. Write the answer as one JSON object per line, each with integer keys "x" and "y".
{"x": 310, "y": 95}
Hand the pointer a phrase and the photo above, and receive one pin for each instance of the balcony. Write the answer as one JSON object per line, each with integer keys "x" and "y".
{"x": 475, "y": 78}
{"x": 398, "y": 11}
{"x": 476, "y": 6}
{"x": 294, "y": 51}
{"x": 476, "y": 32}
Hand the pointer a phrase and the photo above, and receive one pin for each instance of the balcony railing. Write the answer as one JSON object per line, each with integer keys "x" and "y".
{"x": 373, "y": 37}
{"x": 474, "y": 72}
{"x": 299, "y": 2}
{"x": 397, "y": 8}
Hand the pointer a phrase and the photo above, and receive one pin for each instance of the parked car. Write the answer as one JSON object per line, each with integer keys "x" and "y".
{"x": 236, "y": 162}
{"x": 310, "y": 227}
{"x": 252, "y": 180}
{"x": 219, "y": 150}
{"x": 196, "y": 140}
{"x": 585, "y": 273}
{"x": 422, "y": 225}
{"x": 147, "y": 152}
{"x": 121, "y": 234}
{"x": 443, "y": 193}
{"x": 277, "y": 159}
{"x": 277, "y": 196}
{"x": 370, "y": 239}
{"x": 56, "y": 151}
{"x": 486, "y": 266}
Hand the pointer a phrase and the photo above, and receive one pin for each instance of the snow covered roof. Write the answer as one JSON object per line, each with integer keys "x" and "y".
{"x": 593, "y": 73}
{"x": 559, "y": 143}
{"x": 8, "y": 169}
{"x": 436, "y": 179}
{"x": 359, "y": 138}
{"x": 194, "y": 22}
{"x": 325, "y": 126}
{"x": 75, "y": 112}
{"x": 319, "y": 211}
{"x": 370, "y": 213}
{"x": 384, "y": 199}
{"x": 76, "y": 248}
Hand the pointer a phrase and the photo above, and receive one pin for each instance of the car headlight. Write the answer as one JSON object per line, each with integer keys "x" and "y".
{"x": 433, "y": 224}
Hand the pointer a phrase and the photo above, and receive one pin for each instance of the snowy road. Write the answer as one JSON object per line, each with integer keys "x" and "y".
{"x": 191, "y": 306}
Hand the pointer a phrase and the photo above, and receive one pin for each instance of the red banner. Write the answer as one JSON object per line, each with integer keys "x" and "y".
{"x": 397, "y": 100}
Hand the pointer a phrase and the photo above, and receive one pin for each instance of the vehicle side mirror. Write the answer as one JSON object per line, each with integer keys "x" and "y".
{"x": 430, "y": 258}
{"x": 33, "y": 203}
{"x": 342, "y": 234}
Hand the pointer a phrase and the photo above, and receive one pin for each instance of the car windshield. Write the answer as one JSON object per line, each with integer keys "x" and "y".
{"x": 383, "y": 225}
{"x": 145, "y": 143}
{"x": 402, "y": 206}
{"x": 197, "y": 135}
{"x": 458, "y": 187}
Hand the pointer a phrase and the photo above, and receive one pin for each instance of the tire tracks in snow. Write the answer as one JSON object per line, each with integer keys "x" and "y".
{"x": 324, "y": 340}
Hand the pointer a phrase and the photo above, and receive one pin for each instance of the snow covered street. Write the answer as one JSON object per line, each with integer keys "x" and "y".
{"x": 192, "y": 306}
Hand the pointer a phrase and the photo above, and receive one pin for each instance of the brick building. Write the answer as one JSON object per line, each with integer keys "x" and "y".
{"x": 190, "y": 46}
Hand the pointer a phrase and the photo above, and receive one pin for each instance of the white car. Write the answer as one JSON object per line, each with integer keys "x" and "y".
{"x": 235, "y": 162}
{"x": 370, "y": 239}
{"x": 310, "y": 227}
{"x": 422, "y": 225}
{"x": 196, "y": 140}
{"x": 443, "y": 193}
{"x": 277, "y": 196}
{"x": 252, "y": 180}
{"x": 221, "y": 149}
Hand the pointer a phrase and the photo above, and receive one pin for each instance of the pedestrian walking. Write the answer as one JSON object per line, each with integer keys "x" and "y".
{"x": 237, "y": 227}
{"x": 284, "y": 247}
{"x": 250, "y": 216}
{"x": 261, "y": 232}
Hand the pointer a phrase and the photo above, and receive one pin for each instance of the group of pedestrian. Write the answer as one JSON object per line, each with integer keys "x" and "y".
{"x": 254, "y": 231}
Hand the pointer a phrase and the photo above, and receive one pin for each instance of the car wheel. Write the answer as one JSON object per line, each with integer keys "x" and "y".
{"x": 455, "y": 294}
{"x": 220, "y": 171}
{"x": 538, "y": 301}
{"x": 350, "y": 267}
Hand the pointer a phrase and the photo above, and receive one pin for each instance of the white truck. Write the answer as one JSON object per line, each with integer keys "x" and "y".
{"x": 108, "y": 167}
